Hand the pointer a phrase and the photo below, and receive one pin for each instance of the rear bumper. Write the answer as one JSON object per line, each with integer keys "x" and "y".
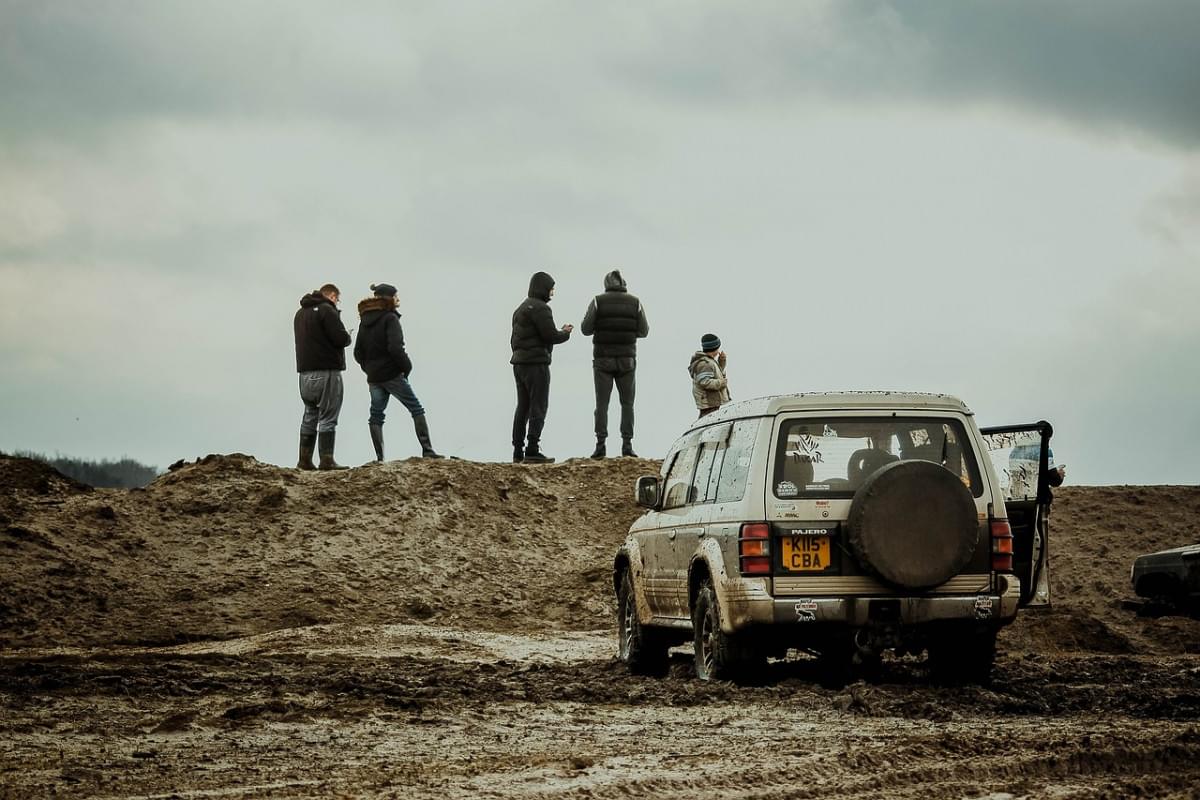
{"x": 998, "y": 606}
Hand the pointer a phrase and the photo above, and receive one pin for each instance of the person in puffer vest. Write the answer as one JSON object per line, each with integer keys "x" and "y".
{"x": 379, "y": 350}
{"x": 533, "y": 339}
{"x": 710, "y": 387}
{"x": 615, "y": 320}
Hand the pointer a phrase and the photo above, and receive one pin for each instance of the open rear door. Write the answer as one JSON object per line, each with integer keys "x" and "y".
{"x": 1020, "y": 454}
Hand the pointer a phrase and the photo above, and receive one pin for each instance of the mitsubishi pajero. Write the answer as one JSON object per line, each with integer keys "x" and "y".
{"x": 837, "y": 524}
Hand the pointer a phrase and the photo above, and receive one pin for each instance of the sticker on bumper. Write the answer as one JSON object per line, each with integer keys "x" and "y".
{"x": 806, "y": 611}
{"x": 983, "y": 607}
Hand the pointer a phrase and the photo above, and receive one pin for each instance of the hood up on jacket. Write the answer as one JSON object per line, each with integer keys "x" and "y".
{"x": 613, "y": 282}
{"x": 373, "y": 309}
{"x": 540, "y": 285}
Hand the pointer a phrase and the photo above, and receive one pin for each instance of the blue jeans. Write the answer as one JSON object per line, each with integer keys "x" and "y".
{"x": 397, "y": 387}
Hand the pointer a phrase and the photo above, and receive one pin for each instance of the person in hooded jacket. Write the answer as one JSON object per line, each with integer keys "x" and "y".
{"x": 710, "y": 387}
{"x": 321, "y": 342}
{"x": 615, "y": 320}
{"x": 533, "y": 339}
{"x": 379, "y": 350}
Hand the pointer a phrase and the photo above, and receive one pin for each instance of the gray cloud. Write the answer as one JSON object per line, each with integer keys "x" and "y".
{"x": 1120, "y": 65}
{"x": 788, "y": 177}
{"x": 1116, "y": 65}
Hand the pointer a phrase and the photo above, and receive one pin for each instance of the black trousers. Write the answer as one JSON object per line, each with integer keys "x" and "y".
{"x": 533, "y": 401}
{"x": 606, "y": 372}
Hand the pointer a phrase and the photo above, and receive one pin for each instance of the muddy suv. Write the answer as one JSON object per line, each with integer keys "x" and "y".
{"x": 841, "y": 525}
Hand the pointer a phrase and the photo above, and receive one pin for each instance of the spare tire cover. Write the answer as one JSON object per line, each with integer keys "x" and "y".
{"x": 914, "y": 524}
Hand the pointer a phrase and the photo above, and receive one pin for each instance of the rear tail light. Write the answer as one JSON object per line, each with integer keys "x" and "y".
{"x": 1002, "y": 546}
{"x": 754, "y": 548}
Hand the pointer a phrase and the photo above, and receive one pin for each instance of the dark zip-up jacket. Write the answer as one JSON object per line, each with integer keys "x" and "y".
{"x": 533, "y": 331}
{"x": 379, "y": 347}
{"x": 615, "y": 320}
{"x": 321, "y": 339}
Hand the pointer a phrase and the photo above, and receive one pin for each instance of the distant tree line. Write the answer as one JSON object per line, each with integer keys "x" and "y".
{"x": 124, "y": 473}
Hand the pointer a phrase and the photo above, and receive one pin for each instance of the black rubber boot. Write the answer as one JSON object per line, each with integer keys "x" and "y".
{"x": 377, "y": 440}
{"x": 422, "y": 427}
{"x": 308, "y": 443}
{"x": 600, "y": 451}
{"x": 535, "y": 456}
{"x": 627, "y": 448}
{"x": 325, "y": 442}
{"x": 518, "y": 455}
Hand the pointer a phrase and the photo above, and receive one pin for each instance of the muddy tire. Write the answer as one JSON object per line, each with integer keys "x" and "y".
{"x": 720, "y": 656}
{"x": 913, "y": 524}
{"x": 963, "y": 657}
{"x": 642, "y": 650}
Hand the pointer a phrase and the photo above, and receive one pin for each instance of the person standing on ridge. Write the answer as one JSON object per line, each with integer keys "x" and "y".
{"x": 533, "y": 339}
{"x": 710, "y": 387}
{"x": 616, "y": 320}
{"x": 321, "y": 342}
{"x": 379, "y": 350}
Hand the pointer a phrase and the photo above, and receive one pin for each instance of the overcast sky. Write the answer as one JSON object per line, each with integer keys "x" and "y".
{"x": 995, "y": 200}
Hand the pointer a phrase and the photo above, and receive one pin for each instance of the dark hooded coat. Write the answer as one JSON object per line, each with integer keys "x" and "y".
{"x": 533, "y": 331}
{"x": 615, "y": 320}
{"x": 379, "y": 348}
{"x": 321, "y": 339}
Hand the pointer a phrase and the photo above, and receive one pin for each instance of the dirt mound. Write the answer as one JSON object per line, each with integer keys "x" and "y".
{"x": 227, "y": 546}
{"x": 1095, "y": 533}
{"x": 21, "y": 476}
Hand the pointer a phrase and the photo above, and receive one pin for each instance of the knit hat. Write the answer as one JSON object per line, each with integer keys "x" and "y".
{"x": 383, "y": 289}
{"x": 710, "y": 342}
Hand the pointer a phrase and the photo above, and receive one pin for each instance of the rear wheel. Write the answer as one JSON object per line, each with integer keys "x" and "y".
{"x": 642, "y": 650}
{"x": 720, "y": 656}
{"x": 958, "y": 657}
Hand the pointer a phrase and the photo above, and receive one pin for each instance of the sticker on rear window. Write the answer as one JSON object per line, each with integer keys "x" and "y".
{"x": 786, "y": 489}
{"x": 817, "y": 487}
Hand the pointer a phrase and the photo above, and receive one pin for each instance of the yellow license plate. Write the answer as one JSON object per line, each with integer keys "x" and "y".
{"x": 805, "y": 553}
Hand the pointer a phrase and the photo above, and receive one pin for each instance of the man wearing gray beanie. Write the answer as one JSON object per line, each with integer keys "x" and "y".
{"x": 710, "y": 388}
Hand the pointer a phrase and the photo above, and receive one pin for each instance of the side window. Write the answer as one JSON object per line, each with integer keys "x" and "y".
{"x": 735, "y": 466}
{"x": 679, "y": 478}
{"x": 713, "y": 442}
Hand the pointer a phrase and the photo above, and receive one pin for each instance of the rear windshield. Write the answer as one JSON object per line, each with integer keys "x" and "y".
{"x": 831, "y": 457}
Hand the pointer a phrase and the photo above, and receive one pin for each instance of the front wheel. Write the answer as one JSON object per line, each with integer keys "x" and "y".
{"x": 719, "y": 655}
{"x": 642, "y": 650}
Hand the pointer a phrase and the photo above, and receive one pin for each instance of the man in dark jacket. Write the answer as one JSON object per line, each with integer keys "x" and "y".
{"x": 533, "y": 338}
{"x": 321, "y": 342}
{"x": 615, "y": 320}
{"x": 379, "y": 350}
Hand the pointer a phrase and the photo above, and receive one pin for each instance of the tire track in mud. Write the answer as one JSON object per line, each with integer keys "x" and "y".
{"x": 1123, "y": 769}
{"x": 1167, "y": 689}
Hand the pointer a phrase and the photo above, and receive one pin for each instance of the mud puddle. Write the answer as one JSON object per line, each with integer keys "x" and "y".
{"x": 417, "y": 711}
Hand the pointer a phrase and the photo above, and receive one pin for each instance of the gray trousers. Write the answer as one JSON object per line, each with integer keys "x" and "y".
{"x": 606, "y": 372}
{"x": 321, "y": 392}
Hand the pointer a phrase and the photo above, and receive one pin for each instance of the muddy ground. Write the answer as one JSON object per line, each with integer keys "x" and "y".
{"x": 423, "y": 629}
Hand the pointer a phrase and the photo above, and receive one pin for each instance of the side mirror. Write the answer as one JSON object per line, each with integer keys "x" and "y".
{"x": 647, "y": 491}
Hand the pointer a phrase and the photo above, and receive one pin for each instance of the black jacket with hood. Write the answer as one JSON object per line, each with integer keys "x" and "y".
{"x": 615, "y": 320}
{"x": 533, "y": 331}
{"x": 379, "y": 348}
{"x": 321, "y": 339}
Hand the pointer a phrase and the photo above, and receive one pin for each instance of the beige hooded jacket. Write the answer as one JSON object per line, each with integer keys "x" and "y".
{"x": 710, "y": 388}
